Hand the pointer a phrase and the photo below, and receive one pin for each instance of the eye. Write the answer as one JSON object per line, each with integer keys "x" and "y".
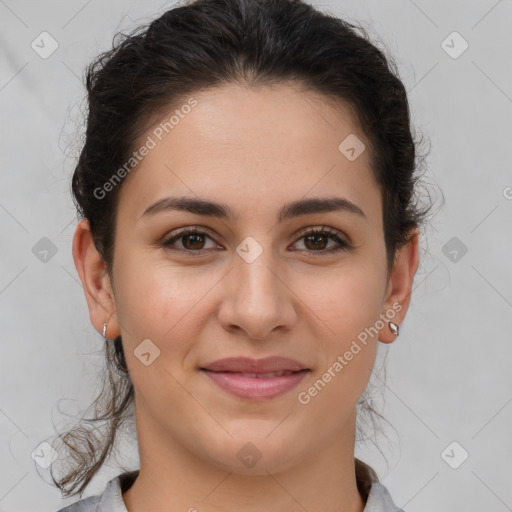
{"x": 317, "y": 239}
{"x": 193, "y": 241}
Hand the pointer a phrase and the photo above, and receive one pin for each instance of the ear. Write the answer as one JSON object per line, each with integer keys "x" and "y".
{"x": 399, "y": 288}
{"x": 95, "y": 281}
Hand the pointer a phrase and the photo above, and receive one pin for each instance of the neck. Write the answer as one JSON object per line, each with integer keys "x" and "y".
{"x": 172, "y": 477}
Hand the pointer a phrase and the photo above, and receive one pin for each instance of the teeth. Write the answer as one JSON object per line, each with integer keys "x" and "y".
{"x": 266, "y": 375}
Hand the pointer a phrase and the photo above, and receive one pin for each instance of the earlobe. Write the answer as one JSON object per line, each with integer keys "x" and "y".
{"x": 400, "y": 287}
{"x": 95, "y": 280}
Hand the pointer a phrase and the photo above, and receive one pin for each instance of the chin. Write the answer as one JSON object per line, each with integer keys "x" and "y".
{"x": 259, "y": 454}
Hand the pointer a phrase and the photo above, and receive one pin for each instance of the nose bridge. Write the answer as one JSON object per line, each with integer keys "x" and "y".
{"x": 258, "y": 301}
{"x": 257, "y": 286}
{"x": 257, "y": 270}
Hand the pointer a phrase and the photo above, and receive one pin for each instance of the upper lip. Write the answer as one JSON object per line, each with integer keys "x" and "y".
{"x": 249, "y": 365}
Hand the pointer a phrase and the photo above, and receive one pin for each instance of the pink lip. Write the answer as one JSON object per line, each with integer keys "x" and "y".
{"x": 255, "y": 387}
{"x": 249, "y": 365}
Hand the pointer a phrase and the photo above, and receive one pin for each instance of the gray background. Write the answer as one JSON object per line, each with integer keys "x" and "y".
{"x": 448, "y": 375}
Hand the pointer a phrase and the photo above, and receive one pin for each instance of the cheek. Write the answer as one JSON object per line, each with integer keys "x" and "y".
{"x": 348, "y": 305}
{"x": 164, "y": 302}
{"x": 346, "y": 300}
{"x": 161, "y": 302}
{"x": 157, "y": 292}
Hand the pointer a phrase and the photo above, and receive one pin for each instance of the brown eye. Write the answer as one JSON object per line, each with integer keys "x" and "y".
{"x": 191, "y": 241}
{"x": 316, "y": 241}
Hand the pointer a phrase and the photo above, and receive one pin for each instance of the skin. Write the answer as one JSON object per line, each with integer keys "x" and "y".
{"x": 239, "y": 146}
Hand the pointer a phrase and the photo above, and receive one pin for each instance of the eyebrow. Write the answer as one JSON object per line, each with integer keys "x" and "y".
{"x": 208, "y": 208}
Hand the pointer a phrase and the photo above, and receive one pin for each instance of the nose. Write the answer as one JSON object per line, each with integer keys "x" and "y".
{"x": 257, "y": 300}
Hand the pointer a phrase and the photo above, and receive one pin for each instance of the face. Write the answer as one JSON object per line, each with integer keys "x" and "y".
{"x": 249, "y": 283}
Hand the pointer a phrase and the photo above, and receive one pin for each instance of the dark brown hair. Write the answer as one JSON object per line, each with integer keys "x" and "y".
{"x": 207, "y": 43}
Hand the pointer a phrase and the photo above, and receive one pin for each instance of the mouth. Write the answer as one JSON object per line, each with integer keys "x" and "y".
{"x": 267, "y": 375}
{"x": 256, "y": 386}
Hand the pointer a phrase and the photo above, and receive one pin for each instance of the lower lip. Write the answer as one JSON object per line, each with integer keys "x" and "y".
{"x": 253, "y": 387}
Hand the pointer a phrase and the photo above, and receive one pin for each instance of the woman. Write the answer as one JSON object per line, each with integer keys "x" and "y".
{"x": 248, "y": 235}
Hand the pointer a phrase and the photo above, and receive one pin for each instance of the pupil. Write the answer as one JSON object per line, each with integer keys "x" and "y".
{"x": 310, "y": 237}
{"x": 196, "y": 237}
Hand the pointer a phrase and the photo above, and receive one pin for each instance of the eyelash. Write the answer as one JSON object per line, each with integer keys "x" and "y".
{"x": 343, "y": 245}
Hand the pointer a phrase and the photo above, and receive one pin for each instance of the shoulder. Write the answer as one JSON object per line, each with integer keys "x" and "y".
{"x": 379, "y": 500}
{"x": 89, "y": 504}
{"x": 110, "y": 500}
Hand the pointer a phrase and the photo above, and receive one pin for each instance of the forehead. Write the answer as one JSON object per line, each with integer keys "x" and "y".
{"x": 254, "y": 148}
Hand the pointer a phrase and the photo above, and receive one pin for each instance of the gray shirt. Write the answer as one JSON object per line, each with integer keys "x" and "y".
{"x": 110, "y": 500}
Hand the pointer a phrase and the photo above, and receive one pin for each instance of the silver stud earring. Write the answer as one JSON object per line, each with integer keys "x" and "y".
{"x": 394, "y": 328}
{"x": 104, "y": 330}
